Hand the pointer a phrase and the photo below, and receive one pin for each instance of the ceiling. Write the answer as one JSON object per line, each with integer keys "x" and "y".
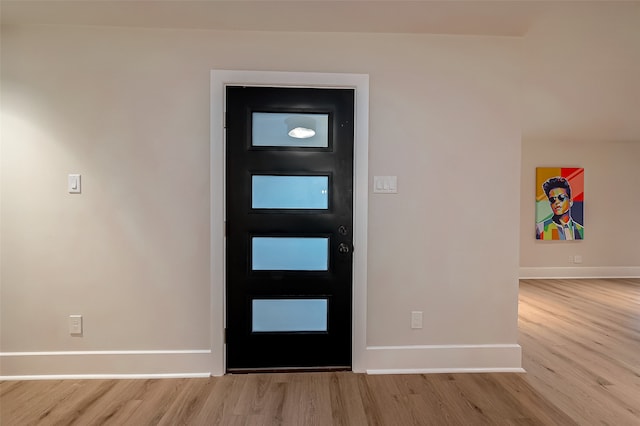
{"x": 503, "y": 18}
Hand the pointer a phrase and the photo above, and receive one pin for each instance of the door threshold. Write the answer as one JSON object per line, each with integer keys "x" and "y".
{"x": 288, "y": 369}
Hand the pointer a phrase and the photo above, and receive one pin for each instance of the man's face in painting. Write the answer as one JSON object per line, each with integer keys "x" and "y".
{"x": 559, "y": 201}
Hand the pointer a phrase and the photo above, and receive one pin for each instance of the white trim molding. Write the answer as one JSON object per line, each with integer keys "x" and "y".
{"x": 105, "y": 364}
{"x": 106, "y": 376}
{"x": 423, "y": 359}
{"x": 533, "y": 273}
{"x": 359, "y": 82}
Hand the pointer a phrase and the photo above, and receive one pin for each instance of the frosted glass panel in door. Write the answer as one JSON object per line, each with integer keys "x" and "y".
{"x": 289, "y": 192}
{"x": 289, "y": 254}
{"x": 287, "y": 315}
{"x": 272, "y": 129}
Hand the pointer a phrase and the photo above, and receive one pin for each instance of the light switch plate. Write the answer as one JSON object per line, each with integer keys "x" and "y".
{"x": 385, "y": 184}
{"x": 73, "y": 183}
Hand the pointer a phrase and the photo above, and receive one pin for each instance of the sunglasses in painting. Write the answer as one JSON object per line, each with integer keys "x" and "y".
{"x": 560, "y": 197}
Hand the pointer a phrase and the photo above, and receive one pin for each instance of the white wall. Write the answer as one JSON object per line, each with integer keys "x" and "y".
{"x": 129, "y": 110}
{"x": 582, "y": 107}
{"x": 611, "y": 246}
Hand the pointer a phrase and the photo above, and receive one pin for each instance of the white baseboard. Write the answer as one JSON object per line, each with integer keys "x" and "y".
{"x": 580, "y": 272}
{"x": 105, "y": 364}
{"x": 446, "y": 370}
{"x": 107, "y": 376}
{"x": 444, "y": 359}
{"x": 197, "y": 363}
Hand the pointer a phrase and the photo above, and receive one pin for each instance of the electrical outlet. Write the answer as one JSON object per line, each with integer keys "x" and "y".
{"x": 570, "y": 259}
{"x": 75, "y": 325}
{"x": 577, "y": 259}
{"x": 416, "y": 319}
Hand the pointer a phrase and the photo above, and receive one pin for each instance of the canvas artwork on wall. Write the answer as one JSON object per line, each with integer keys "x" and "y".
{"x": 559, "y": 203}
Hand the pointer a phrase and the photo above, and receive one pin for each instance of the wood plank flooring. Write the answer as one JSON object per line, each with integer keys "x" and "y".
{"x": 581, "y": 346}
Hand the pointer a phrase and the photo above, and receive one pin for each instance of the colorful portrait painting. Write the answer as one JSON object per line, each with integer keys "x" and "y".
{"x": 559, "y": 203}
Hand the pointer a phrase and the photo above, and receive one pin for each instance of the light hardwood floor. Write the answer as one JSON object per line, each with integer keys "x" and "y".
{"x": 581, "y": 346}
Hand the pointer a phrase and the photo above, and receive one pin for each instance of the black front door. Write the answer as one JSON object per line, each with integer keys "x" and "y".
{"x": 289, "y": 214}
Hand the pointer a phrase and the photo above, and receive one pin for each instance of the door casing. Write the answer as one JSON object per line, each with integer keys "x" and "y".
{"x": 359, "y": 82}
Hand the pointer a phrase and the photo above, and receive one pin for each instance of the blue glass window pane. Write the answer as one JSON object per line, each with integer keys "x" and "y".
{"x": 289, "y": 315}
{"x": 272, "y": 129}
{"x": 290, "y": 254}
{"x": 289, "y": 192}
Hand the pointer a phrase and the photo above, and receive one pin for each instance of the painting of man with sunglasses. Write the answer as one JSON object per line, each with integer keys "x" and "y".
{"x": 560, "y": 226}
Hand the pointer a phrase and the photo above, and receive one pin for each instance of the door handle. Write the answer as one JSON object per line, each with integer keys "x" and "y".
{"x": 344, "y": 248}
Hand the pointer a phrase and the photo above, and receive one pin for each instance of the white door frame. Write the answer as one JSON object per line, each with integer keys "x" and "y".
{"x": 359, "y": 82}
